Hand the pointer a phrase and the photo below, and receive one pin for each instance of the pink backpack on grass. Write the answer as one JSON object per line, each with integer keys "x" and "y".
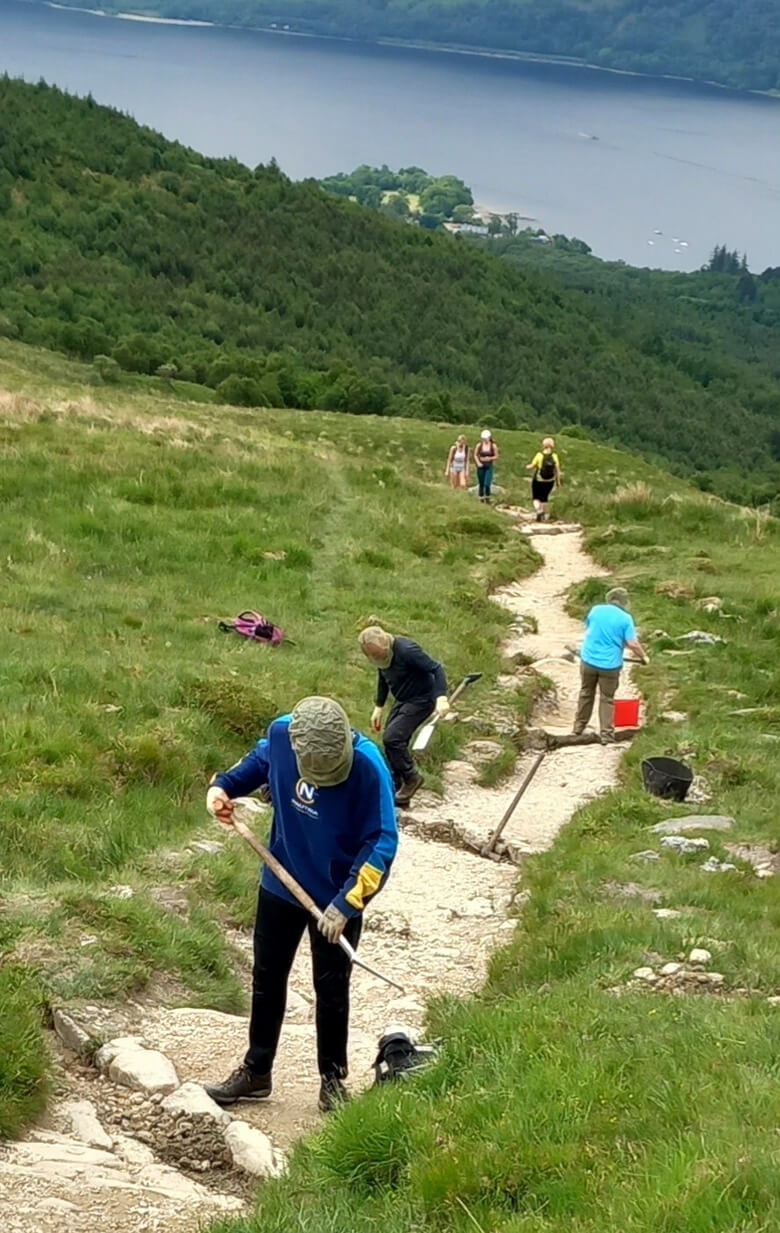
{"x": 253, "y": 625}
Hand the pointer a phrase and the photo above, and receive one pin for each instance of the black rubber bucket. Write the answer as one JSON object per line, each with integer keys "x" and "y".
{"x": 667, "y": 778}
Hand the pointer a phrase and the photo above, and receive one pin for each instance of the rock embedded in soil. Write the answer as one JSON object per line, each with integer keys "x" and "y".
{"x": 107, "y": 1052}
{"x": 72, "y": 1034}
{"x": 143, "y": 1069}
{"x": 685, "y": 846}
{"x": 646, "y": 974}
{"x": 251, "y": 1150}
{"x": 191, "y": 1098}
{"x": 713, "y": 865}
{"x": 693, "y": 822}
{"x": 85, "y": 1124}
{"x": 700, "y": 955}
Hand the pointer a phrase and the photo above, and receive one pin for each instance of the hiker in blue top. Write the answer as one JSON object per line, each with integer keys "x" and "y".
{"x": 334, "y": 829}
{"x": 609, "y": 629}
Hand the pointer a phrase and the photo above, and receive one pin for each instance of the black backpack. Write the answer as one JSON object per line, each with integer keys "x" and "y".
{"x": 399, "y": 1057}
{"x": 547, "y": 469}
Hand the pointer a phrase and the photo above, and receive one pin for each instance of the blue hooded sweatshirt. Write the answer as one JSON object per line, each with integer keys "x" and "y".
{"x": 338, "y": 842}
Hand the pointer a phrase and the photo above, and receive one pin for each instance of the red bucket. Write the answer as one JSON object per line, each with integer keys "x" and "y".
{"x": 626, "y": 713}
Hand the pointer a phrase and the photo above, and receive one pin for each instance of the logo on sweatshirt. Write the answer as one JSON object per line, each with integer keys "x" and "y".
{"x": 305, "y": 796}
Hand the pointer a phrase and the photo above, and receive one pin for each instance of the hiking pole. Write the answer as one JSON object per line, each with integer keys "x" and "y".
{"x": 496, "y": 834}
{"x": 425, "y": 733}
{"x": 295, "y": 888}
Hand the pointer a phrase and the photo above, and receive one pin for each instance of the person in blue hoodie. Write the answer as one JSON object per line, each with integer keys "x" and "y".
{"x": 335, "y": 830}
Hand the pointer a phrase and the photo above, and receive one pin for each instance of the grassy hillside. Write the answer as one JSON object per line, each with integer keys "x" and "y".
{"x": 132, "y": 251}
{"x": 736, "y": 45}
{"x": 133, "y": 522}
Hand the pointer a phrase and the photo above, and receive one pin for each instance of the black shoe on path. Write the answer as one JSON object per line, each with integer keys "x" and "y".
{"x": 243, "y": 1084}
{"x": 333, "y": 1095}
{"x": 408, "y": 789}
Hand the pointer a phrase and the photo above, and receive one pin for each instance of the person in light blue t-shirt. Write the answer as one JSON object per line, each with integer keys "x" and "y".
{"x": 609, "y": 629}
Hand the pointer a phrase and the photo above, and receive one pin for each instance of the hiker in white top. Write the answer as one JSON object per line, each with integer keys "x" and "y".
{"x": 458, "y": 464}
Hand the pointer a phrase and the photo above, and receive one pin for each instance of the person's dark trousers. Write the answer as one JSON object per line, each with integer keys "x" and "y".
{"x": 403, "y": 721}
{"x": 279, "y": 927}
{"x": 485, "y": 478}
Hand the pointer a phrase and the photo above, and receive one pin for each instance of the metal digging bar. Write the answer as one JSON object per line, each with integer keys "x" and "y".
{"x": 294, "y": 887}
{"x": 426, "y": 732}
{"x": 496, "y": 834}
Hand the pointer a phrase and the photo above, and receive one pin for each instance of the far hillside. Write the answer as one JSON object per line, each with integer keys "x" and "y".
{"x": 712, "y": 40}
{"x": 141, "y": 256}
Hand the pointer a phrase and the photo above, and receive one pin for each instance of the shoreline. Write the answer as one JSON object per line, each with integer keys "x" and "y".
{"x": 453, "y": 49}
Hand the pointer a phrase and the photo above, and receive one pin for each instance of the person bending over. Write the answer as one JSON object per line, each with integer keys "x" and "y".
{"x": 335, "y": 830}
{"x": 419, "y": 686}
{"x": 609, "y": 629}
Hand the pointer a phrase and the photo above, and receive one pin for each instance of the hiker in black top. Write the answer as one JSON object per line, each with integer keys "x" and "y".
{"x": 418, "y": 685}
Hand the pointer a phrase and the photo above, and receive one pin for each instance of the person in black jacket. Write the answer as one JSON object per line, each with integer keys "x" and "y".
{"x": 418, "y": 685}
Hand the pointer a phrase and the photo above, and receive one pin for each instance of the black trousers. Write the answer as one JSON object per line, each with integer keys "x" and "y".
{"x": 279, "y": 927}
{"x": 403, "y": 721}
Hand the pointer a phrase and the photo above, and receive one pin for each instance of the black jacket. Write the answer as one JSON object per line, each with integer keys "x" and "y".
{"x": 412, "y": 675}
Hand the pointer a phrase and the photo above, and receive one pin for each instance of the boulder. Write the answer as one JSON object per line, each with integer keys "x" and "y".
{"x": 670, "y": 969}
{"x": 107, "y": 1052}
{"x": 686, "y": 847}
{"x": 251, "y": 1150}
{"x": 694, "y": 822}
{"x": 666, "y": 913}
{"x": 645, "y": 974}
{"x": 713, "y": 865}
{"x": 71, "y": 1033}
{"x": 700, "y": 955}
{"x": 145, "y": 1070}
{"x": 85, "y": 1124}
{"x": 193, "y": 1100}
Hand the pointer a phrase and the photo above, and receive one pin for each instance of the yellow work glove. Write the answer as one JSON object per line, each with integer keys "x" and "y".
{"x": 332, "y": 923}
{"x": 376, "y": 719}
{"x": 442, "y": 706}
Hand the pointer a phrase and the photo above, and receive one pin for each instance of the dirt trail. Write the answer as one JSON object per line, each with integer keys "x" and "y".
{"x": 433, "y": 928}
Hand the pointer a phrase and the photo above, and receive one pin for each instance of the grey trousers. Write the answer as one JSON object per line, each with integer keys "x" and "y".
{"x": 606, "y": 679}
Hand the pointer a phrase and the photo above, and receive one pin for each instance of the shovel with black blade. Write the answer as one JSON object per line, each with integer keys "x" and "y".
{"x": 426, "y": 732}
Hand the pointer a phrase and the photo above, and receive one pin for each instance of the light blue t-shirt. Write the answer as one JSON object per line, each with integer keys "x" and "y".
{"x": 608, "y": 628}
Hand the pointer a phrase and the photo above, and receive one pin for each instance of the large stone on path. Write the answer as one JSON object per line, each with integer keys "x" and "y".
{"x": 193, "y": 1100}
{"x": 252, "y": 1151}
{"x": 107, "y": 1052}
{"x": 694, "y": 822}
{"x": 145, "y": 1070}
{"x": 71, "y": 1033}
{"x": 85, "y": 1124}
{"x": 70, "y": 1156}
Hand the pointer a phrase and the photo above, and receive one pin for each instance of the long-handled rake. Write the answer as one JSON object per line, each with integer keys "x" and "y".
{"x": 249, "y": 805}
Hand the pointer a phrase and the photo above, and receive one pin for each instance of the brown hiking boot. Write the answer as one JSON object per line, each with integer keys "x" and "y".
{"x": 408, "y": 789}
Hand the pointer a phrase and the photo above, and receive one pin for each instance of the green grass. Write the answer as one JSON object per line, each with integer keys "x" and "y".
{"x": 556, "y": 1104}
{"x": 133, "y": 522}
